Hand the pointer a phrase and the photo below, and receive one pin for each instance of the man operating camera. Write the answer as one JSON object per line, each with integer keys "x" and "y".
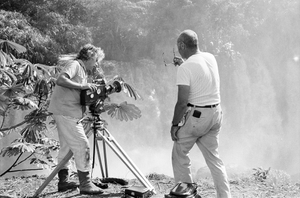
{"x": 67, "y": 110}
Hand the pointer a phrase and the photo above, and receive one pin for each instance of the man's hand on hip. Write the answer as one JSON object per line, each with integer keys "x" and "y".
{"x": 174, "y": 130}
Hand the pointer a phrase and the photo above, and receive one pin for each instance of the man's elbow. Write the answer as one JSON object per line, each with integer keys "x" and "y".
{"x": 59, "y": 82}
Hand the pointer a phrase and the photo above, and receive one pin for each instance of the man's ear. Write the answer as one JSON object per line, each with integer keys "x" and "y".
{"x": 182, "y": 45}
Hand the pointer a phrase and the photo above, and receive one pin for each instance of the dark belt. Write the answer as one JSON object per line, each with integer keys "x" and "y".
{"x": 206, "y": 106}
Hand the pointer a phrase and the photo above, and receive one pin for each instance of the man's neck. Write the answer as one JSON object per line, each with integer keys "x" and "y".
{"x": 192, "y": 52}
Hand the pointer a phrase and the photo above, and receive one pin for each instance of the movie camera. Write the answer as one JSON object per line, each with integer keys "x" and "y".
{"x": 88, "y": 97}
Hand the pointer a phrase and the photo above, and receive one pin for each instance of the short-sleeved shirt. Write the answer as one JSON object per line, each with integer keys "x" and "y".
{"x": 66, "y": 101}
{"x": 200, "y": 72}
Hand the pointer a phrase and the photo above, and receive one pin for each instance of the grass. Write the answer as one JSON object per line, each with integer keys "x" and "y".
{"x": 273, "y": 184}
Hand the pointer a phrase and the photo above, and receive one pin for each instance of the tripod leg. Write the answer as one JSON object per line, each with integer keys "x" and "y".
{"x": 126, "y": 160}
{"x": 100, "y": 161}
{"x": 140, "y": 176}
{"x": 105, "y": 158}
{"x": 54, "y": 172}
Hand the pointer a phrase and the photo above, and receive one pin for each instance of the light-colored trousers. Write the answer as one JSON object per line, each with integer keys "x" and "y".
{"x": 72, "y": 137}
{"x": 203, "y": 131}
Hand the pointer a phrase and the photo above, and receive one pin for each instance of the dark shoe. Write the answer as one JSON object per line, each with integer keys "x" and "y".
{"x": 64, "y": 183}
{"x": 86, "y": 186}
{"x": 184, "y": 189}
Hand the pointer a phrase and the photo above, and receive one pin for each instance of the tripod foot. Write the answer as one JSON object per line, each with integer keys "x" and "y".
{"x": 101, "y": 185}
{"x": 112, "y": 180}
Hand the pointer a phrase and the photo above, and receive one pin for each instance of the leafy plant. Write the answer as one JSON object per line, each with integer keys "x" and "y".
{"x": 25, "y": 87}
{"x": 261, "y": 174}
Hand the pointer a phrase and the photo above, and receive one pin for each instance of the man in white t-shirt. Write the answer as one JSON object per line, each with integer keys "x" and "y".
{"x": 198, "y": 115}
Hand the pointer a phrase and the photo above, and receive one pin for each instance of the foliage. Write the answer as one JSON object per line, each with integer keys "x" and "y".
{"x": 117, "y": 25}
{"x": 129, "y": 30}
{"x": 45, "y": 28}
{"x": 261, "y": 174}
{"x": 25, "y": 87}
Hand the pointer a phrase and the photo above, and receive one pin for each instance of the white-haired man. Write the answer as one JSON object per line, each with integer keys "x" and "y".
{"x": 67, "y": 110}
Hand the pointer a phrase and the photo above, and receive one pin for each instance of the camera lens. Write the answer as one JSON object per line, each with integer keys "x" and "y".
{"x": 117, "y": 86}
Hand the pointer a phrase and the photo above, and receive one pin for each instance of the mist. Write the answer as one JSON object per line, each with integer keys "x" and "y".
{"x": 260, "y": 126}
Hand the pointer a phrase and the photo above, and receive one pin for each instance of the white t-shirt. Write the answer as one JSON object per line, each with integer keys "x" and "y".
{"x": 200, "y": 72}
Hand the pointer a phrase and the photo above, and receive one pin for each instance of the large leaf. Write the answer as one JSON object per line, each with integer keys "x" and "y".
{"x": 20, "y": 61}
{"x": 128, "y": 89}
{"x": 5, "y": 59}
{"x": 48, "y": 143}
{"x": 123, "y": 112}
{"x": 4, "y": 101}
{"x": 41, "y": 88}
{"x": 131, "y": 92}
{"x": 6, "y": 46}
{"x": 45, "y": 68}
{"x": 17, "y": 148}
{"x": 11, "y": 77}
{"x": 11, "y": 90}
{"x": 24, "y": 103}
{"x": 30, "y": 134}
{"x": 41, "y": 163}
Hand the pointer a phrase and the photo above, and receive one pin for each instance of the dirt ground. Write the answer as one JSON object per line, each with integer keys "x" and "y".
{"x": 275, "y": 185}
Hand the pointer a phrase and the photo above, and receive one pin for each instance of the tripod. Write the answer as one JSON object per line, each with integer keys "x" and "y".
{"x": 101, "y": 134}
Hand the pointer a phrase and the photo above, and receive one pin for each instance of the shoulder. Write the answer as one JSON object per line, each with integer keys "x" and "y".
{"x": 184, "y": 70}
{"x": 70, "y": 67}
{"x": 69, "y": 64}
{"x": 208, "y": 56}
{"x": 73, "y": 65}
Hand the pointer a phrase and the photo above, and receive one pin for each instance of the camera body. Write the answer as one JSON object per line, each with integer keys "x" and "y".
{"x": 88, "y": 97}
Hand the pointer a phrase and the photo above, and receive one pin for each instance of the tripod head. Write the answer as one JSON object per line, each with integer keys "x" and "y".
{"x": 95, "y": 109}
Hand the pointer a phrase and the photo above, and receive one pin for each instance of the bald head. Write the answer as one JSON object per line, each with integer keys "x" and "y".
{"x": 189, "y": 38}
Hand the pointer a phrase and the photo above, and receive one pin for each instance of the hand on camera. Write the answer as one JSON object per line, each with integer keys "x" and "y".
{"x": 90, "y": 86}
{"x": 177, "y": 61}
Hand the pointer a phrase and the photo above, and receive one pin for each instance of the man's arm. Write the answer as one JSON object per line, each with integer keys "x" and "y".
{"x": 65, "y": 81}
{"x": 181, "y": 105}
{"x": 180, "y": 109}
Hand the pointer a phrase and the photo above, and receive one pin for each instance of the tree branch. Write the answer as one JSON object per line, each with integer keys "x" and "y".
{"x": 6, "y": 109}
{"x": 12, "y": 127}
{"x": 13, "y": 165}
{"x": 21, "y": 123}
{"x": 25, "y": 159}
{"x": 32, "y": 169}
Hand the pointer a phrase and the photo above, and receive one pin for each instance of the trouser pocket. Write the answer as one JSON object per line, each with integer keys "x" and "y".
{"x": 196, "y": 124}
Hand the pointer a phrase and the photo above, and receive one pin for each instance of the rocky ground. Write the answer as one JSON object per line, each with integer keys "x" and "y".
{"x": 257, "y": 183}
